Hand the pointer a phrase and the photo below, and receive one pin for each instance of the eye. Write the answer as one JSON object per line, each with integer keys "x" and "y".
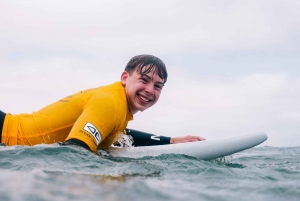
{"x": 144, "y": 80}
{"x": 159, "y": 87}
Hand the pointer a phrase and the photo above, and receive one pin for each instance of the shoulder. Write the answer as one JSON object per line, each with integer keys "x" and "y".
{"x": 111, "y": 96}
{"x": 112, "y": 92}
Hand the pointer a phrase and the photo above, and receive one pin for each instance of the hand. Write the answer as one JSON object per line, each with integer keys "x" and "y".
{"x": 188, "y": 138}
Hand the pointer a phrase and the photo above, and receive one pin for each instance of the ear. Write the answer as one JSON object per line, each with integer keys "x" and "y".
{"x": 124, "y": 77}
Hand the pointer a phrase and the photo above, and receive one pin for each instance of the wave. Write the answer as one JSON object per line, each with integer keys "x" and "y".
{"x": 53, "y": 172}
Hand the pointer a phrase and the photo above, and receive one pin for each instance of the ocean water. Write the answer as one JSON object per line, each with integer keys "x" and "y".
{"x": 53, "y": 172}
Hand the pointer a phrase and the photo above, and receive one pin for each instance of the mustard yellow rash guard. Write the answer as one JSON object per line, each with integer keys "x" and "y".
{"x": 94, "y": 116}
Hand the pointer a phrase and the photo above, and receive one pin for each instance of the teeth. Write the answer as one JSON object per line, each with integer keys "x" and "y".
{"x": 144, "y": 99}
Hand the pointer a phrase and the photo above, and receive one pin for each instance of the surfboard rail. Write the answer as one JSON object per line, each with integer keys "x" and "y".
{"x": 206, "y": 150}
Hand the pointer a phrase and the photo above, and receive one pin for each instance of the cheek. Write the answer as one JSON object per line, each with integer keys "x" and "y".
{"x": 157, "y": 95}
{"x": 139, "y": 87}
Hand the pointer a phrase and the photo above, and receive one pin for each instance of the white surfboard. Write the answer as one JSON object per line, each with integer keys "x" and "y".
{"x": 206, "y": 150}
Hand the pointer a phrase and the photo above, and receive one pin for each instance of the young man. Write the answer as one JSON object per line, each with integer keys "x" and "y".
{"x": 94, "y": 118}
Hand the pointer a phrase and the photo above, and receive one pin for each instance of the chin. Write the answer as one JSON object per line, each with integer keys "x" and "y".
{"x": 143, "y": 109}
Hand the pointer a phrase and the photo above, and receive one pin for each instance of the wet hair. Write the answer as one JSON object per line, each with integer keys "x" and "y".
{"x": 149, "y": 61}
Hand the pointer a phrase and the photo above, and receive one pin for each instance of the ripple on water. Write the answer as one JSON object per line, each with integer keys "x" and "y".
{"x": 72, "y": 173}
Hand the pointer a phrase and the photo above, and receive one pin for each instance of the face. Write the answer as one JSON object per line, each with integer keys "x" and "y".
{"x": 142, "y": 91}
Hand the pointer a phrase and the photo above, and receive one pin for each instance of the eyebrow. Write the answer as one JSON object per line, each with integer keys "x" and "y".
{"x": 150, "y": 79}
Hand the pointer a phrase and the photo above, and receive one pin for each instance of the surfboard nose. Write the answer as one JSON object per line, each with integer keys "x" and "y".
{"x": 262, "y": 135}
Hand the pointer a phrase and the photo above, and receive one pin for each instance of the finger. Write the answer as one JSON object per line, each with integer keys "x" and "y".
{"x": 194, "y": 139}
{"x": 197, "y": 138}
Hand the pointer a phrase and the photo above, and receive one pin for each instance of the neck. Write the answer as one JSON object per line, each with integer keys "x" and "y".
{"x": 129, "y": 107}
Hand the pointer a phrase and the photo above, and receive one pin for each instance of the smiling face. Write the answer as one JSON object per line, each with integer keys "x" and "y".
{"x": 142, "y": 90}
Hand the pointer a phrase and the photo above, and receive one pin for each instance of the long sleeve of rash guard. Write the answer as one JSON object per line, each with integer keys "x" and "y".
{"x": 146, "y": 139}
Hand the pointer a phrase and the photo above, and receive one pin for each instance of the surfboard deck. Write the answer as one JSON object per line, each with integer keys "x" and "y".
{"x": 206, "y": 150}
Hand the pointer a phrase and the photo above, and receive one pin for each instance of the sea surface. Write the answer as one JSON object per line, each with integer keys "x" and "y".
{"x": 53, "y": 172}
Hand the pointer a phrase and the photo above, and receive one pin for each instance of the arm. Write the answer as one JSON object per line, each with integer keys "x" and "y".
{"x": 74, "y": 141}
{"x": 148, "y": 139}
{"x": 143, "y": 139}
{"x": 93, "y": 125}
{"x": 188, "y": 138}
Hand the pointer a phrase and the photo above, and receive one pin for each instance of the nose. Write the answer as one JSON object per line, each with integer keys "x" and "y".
{"x": 149, "y": 88}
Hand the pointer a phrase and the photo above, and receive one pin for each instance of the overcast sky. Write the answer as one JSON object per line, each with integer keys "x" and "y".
{"x": 234, "y": 66}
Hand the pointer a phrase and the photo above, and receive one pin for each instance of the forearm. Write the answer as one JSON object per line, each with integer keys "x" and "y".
{"x": 147, "y": 139}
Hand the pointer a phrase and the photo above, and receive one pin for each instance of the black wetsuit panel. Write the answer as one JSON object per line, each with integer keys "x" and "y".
{"x": 77, "y": 142}
{"x": 2, "y": 116}
{"x": 146, "y": 139}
